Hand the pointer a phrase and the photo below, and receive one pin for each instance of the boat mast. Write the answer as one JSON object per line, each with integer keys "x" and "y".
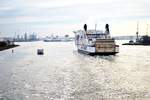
{"x": 137, "y": 32}
{"x": 147, "y": 29}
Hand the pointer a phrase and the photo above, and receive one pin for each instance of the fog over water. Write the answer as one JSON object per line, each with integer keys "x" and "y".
{"x": 64, "y": 74}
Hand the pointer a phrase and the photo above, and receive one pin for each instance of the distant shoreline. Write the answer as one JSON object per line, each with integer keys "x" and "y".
{"x": 7, "y": 47}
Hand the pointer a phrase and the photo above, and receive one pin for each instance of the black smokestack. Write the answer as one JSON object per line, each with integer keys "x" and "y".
{"x": 85, "y": 28}
{"x": 107, "y": 28}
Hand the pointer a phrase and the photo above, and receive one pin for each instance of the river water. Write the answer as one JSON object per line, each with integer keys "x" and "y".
{"x": 64, "y": 74}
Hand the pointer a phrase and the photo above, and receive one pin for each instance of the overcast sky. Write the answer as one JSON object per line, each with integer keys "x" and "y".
{"x": 65, "y": 16}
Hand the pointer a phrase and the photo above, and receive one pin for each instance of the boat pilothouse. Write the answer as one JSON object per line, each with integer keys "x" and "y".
{"x": 95, "y": 42}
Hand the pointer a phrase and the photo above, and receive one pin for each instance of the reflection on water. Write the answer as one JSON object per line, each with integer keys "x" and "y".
{"x": 64, "y": 74}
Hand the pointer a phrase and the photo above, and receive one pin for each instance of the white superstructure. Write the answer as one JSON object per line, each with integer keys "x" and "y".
{"x": 95, "y": 42}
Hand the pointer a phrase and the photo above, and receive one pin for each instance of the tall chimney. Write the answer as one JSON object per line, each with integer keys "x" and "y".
{"x": 107, "y": 28}
{"x": 85, "y": 28}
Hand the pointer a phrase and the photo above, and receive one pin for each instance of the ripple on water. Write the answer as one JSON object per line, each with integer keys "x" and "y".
{"x": 69, "y": 75}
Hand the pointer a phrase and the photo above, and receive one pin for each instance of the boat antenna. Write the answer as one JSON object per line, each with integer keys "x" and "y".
{"x": 138, "y": 26}
{"x": 95, "y": 27}
{"x": 85, "y": 28}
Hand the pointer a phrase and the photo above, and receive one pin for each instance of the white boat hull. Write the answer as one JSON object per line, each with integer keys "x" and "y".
{"x": 92, "y": 50}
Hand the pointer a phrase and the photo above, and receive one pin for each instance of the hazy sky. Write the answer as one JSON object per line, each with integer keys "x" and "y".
{"x": 65, "y": 16}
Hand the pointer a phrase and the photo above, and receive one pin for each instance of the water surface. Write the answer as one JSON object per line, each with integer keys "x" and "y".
{"x": 64, "y": 74}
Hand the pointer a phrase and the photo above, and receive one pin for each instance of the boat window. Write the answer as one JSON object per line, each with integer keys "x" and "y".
{"x": 96, "y": 35}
